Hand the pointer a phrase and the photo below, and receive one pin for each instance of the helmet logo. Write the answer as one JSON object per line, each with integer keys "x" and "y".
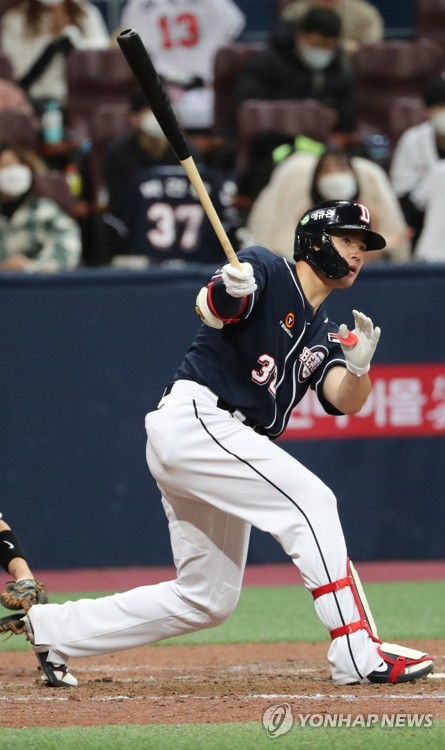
{"x": 305, "y": 219}
{"x": 321, "y": 213}
{"x": 365, "y": 216}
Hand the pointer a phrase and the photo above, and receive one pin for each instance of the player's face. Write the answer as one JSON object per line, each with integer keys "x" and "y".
{"x": 352, "y": 247}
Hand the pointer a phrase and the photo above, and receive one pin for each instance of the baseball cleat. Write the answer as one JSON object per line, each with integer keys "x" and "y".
{"x": 55, "y": 675}
{"x": 400, "y": 664}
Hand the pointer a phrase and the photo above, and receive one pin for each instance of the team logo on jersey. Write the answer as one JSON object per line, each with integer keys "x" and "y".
{"x": 310, "y": 359}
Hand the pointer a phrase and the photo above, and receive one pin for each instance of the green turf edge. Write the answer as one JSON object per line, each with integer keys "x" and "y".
{"x": 403, "y": 611}
{"x": 236, "y": 736}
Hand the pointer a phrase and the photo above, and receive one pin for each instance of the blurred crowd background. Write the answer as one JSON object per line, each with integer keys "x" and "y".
{"x": 283, "y": 106}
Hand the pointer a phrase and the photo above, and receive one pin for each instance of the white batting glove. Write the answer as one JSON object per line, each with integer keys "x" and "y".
{"x": 239, "y": 282}
{"x": 358, "y": 354}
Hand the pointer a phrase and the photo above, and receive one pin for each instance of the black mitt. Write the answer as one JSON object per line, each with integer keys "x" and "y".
{"x": 23, "y": 594}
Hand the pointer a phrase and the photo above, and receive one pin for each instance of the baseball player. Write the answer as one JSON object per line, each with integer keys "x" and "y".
{"x": 24, "y": 590}
{"x": 264, "y": 340}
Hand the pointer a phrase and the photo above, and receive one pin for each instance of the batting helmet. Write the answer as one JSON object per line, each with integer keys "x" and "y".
{"x": 312, "y": 237}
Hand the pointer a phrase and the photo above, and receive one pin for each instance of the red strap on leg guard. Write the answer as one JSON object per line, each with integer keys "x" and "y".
{"x": 328, "y": 588}
{"x": 361, "y": 624}
{"x": 347, "y": 629}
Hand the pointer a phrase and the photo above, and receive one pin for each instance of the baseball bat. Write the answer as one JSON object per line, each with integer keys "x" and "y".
{"x": 148, "y": 79}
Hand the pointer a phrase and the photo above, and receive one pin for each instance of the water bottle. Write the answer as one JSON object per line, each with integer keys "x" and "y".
{"x": 52, "y": 123}
{"x": 74, "y": 180}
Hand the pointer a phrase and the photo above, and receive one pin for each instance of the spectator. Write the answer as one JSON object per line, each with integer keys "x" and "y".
{"x": 304, "y": 61}
{"x": 142, "y": 147}
{"x": 182, "y": 39}
{"x": 35, "y": 234}
{"x": 305, "y": 179}
{"x": 153, "y": 210}
{"x": 37, "y": 36}
{"x": 361, "y": 21}
{"x": 430, "y": 198}
{"x": 417, "y": 151}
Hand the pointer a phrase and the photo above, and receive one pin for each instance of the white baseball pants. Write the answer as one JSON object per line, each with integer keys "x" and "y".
{"x": 217, "y": 478}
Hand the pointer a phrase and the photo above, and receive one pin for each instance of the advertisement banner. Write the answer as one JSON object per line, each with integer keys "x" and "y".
{"x": 406, "y": 400}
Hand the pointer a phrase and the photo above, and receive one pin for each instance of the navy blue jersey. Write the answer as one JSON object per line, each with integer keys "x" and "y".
{"x": 264, "y": 364}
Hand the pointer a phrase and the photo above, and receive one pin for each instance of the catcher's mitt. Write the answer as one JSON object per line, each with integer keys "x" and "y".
{"x": 23, "y": 594}
{"x": 13, "y": 624}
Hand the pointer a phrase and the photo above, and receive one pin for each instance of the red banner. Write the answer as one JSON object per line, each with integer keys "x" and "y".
{"x": 406, "y": 400}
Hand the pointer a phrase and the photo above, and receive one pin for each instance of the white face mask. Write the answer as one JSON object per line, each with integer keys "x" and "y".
{"x": 15, "y": 180}
{"x": 437, "y": 120}
{"x": 149, "y": 125}
{"x": 50, "y": 2}
{"x": 337, "y": 186}
{"x": 316, "y": 58}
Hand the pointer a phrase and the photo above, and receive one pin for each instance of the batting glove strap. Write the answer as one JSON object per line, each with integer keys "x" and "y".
{"x": 359, "y": 371}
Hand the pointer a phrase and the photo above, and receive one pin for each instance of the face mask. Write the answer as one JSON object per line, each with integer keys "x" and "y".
{"x": 437, "y": 120}
{"x": 337, "y": 186}
{"x": 50, "y": 2}
{"x": 15, "y": 180}
{"x": 316, "y": 58}
{"x": 149, "y": 125}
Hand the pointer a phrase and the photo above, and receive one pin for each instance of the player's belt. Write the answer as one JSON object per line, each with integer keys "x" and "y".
{"x": 221, "y": 404}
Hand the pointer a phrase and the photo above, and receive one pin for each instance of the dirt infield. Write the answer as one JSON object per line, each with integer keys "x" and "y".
{"x": 181, "y": 684}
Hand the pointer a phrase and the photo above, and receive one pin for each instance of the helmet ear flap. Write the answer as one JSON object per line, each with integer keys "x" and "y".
{"x": 318, "y": 250}
{"x": 304, "y": 244}
{"x": 300, "y": 246}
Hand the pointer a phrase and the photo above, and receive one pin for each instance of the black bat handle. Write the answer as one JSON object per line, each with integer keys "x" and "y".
{"x": 148, "y": 79}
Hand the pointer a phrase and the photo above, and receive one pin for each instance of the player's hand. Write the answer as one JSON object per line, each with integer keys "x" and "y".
{"x": 358, "y": 354}
{"x": 239, "y": 282}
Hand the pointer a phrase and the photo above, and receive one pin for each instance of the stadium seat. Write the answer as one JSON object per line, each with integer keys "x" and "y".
{"x": 229, "y": 63}
{"x": 430, "y": 20}
{"x": 6, "y": 67}
{"x": 95, "y": 77}
{"x": 107, "y": 122}
{"x": 390, "y": 69}
{"x": 306, "y": 117}
{"x": 52, "y": 184}
{"x": 20, "y": 129}
{"x": 406, "y": 111}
